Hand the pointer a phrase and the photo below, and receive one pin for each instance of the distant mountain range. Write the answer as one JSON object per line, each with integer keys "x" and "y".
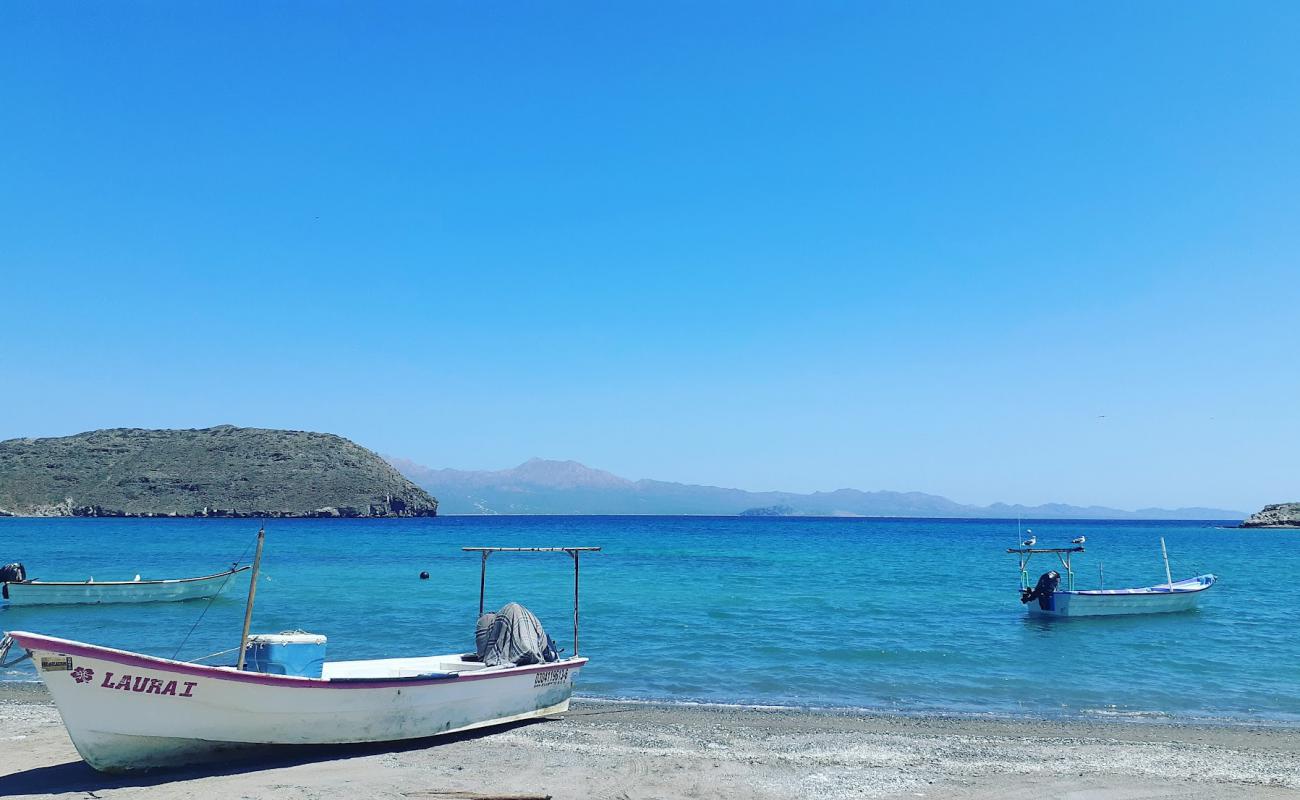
{"x": 540, "y": 486}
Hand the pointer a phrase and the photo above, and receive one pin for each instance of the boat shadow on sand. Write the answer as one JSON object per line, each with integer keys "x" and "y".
{"x": 78, "y": 777}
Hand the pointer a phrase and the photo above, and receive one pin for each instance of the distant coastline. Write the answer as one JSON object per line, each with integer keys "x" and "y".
{"x": 558, "y": 488}
{"x": 230, "y": 472}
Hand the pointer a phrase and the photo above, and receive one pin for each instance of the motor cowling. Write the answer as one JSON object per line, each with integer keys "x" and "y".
{"x": 512, "y": 636}
{"x": 13, "y": 573}
{"x": 1042, "y": 592}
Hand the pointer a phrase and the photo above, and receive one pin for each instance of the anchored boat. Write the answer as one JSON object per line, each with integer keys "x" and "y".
{"x": 1045, "y": 598}
{"x": 17, "y": 590}
{"x": 127, "y": 711}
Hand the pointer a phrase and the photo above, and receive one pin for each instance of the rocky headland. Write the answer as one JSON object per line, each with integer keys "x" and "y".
{"x": 1278, "y": 515}
{"x": 210, "y": 472}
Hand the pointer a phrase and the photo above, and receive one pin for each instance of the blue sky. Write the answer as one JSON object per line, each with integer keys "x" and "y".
{"x": 1023, "y": 251}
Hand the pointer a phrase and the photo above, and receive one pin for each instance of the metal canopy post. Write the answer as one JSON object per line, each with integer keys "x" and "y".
{"x": 1064, "y": 554}
{"x": 482, "y": 582}
{"x": 573, "y": 552}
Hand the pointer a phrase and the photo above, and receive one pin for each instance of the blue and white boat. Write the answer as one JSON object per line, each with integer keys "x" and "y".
{"x": 1046, "y": 598}
{"x": 24, "y": 592}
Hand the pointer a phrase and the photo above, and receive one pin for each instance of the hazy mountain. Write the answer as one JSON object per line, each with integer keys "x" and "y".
{"x": 539, "y": 486}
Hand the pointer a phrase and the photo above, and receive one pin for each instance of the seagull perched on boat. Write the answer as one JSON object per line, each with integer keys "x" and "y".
{"x": 1079, "y": 540}
{"x": 1030, "y": 542}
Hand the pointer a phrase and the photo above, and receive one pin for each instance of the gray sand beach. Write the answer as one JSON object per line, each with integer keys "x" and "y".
{"x": 628, "y": 751}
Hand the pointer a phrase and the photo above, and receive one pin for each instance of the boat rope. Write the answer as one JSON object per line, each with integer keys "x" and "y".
{"x": 5, "y": 644}
{"x": 214, "y": 596}
{"x": 213, "y": 655}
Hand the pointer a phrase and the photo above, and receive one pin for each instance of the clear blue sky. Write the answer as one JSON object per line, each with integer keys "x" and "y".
{"x": 997, "y": 251}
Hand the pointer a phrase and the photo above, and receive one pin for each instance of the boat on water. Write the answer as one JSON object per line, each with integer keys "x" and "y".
{"x": 128, "y": 711}
{"x": 17, "y": 590}
{"x": 1046, "y": 598}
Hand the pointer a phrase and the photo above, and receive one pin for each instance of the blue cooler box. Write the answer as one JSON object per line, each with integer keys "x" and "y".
{"x": 301, "y": 654}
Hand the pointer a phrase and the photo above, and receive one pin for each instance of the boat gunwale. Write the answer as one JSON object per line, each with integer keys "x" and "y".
{"x": 36, "y": 641}
{"x": 160, "y": 581}
{"x": 1163, "y": 590}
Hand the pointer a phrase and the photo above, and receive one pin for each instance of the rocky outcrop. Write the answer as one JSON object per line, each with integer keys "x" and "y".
{"x": 211, "y": 472}
{"x": 1278, "y": 515}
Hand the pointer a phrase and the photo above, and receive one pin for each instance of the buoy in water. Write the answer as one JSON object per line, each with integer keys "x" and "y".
{"x": 424, "y": 576}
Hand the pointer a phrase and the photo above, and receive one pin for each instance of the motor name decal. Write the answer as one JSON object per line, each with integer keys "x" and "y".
{"x": 144, "y": 685}
{"x": 550, "y": 677}
{"x": 60, "y": 664}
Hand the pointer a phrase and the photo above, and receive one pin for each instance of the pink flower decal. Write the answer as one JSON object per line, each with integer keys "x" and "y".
{"x": 83, "y": 674}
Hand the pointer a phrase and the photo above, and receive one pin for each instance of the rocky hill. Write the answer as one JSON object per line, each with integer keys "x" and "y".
{"x": 211, "y": 472}
{"x": 1278, "y": 515}
{"x": 539, "y": 486}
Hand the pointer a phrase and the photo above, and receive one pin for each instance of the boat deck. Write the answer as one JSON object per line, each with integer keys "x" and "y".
{"x": 1197, "y": 584}
{"x": 400, "y": 667}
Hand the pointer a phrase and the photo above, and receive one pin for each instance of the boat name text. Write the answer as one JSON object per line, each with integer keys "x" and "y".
{"x": 134, "y": 683}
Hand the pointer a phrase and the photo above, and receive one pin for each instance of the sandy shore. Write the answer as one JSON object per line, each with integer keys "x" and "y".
{"x": 629, "y": 751}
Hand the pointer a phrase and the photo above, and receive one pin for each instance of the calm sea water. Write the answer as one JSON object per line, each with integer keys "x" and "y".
{"x": 906, "y": 616}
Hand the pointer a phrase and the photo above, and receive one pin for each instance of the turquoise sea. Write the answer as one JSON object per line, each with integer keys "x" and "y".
{"x": 890, "y": 615}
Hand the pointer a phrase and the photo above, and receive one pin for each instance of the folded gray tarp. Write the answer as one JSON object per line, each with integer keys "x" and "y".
{"x": 512, "y": 636}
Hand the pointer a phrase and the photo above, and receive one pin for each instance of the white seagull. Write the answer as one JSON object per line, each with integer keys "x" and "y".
{"x": 1079, "y": 540}
{"x": 1031, "y": 541}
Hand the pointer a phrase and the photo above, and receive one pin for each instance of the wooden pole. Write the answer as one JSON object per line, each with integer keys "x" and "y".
{"x": 252, "y": 592}
{"x": 1168, "y": 576}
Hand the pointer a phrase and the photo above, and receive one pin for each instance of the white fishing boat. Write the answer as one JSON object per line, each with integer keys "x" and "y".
{"x": 92, "y": 592}
{"x": 1045, "y": 598}
{"x": 127, "y": 711}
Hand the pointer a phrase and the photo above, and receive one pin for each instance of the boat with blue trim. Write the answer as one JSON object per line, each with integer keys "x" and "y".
{"x": 1046, "y": 598}
{"x": 17, "y": 589}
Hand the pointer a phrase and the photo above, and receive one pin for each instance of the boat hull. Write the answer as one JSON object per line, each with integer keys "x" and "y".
{"x": 34, "y": 593}
{"x": 125, "y": 711}
{"x": 1182, "y": 596}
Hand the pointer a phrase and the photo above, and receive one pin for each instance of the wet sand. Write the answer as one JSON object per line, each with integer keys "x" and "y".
{"x": 630, "y": 751}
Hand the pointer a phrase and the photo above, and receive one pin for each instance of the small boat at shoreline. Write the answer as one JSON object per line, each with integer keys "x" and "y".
{"x": 128, "y": 711}
{"x": 1045, "y": 598}
{"x": 92, "y": 592}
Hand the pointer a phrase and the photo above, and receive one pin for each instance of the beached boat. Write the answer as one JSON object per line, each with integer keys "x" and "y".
{"x": 127, "y": 711}
{"x": 1046, "y": 599}
{"x": 34, "y": 592}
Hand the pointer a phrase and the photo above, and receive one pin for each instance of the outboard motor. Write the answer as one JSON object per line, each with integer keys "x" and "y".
{"x": 512, "y": 636}
{"x": 1047, "y": 583}
{"x": 13, "y": 573}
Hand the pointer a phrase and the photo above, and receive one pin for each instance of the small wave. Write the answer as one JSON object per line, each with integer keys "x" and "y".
{"x": 1134, "y": 716}
{"x": 1115, "y": 712}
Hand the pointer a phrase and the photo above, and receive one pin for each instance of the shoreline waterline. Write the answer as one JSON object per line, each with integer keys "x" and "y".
{"x": 34, "y": 693}
{"x": 612, "y": 749}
